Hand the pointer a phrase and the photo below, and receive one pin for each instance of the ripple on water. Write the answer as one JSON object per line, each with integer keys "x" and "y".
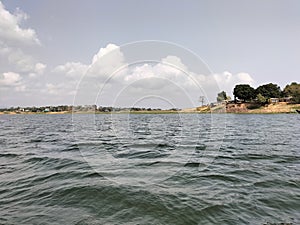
{"x": 253, "y": 178}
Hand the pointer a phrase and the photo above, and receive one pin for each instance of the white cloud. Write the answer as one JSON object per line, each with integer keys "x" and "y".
{"x": 227, "y": 80}
{"x": 22, "y": 62}
{"x": 166, "y": 80}
{"x": 170, "y": 68}
{"x": 245, "y": 77}
{"x": 20, "y": 15}
{"x": 155, "y": 78}
{"x": 60, "y": 89}
{"x": 37, "y": 69}
{"x": 103, "y": 52}
{"x": 170, "y": 79}
{"x": 13, "y": 41}
{"x": 72, "y": 69}
{"x": 15, "y": 59}
{"x": 103, "y": 64}
{"x": 174, "y": 61}
{"x": 106, "y": 62}
{"x": 10, "y": 30}
{"x": 10, "y": 79}
{"x": 40, "y": 68}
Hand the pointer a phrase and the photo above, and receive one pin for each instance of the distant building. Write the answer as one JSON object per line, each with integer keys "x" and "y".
{"x": 284, "y": 99}
{"x": 274, "y": 100}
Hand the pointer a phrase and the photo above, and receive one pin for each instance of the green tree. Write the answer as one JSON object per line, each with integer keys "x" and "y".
{"x": 261, "y": 99}
{"x": 269, "y": 91}
{"x": 222, "y": 96}
{"x": 244, "y": 92}
{"x": 292, "y": 90}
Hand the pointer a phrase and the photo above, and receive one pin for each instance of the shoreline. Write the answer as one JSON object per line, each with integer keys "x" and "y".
{"x": 154, "y": 112}
{"x": 223, "y": 108}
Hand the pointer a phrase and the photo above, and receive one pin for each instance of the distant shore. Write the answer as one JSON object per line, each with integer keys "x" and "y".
{"x": 93, "y": 112}
{"x": 237, "y": 108}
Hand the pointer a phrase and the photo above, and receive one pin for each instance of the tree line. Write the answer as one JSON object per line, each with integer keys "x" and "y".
{"x": 263, "y": 93}
{"x": 79, "y": 108}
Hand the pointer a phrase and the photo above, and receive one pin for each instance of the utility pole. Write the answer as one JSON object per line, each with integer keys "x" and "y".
{"x": 202, "y": 100}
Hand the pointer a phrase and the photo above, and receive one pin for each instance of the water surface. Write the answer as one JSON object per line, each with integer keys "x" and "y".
{"x": 149, "y": 169}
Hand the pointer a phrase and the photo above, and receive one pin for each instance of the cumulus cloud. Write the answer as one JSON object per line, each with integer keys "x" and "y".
{"x": 20, "y": 61}
{"x": 13, "y": 40}
{"x": 62, "y": 90}
{"x": 10, "y": 80}
{"x": 162, "y": 76}
{"x": 36, "y": 70}
{"x": 103, "y": 52}
{"x": 40, "y": 68}
{"x": 109, "y": 73}
{"x": 10, "y": 30}
{"x": 72, "y": 69}
{"x": 106, "y": 62}
{"x": 227, "y": 80}
{"x": 165, "y": 79}
{"x": 119, "y": 82}
{"x": 169, "y": 78}
{"x": 175, "y": 62}
{"x": 170, "y": 67}
{"x": 103, "y": 64}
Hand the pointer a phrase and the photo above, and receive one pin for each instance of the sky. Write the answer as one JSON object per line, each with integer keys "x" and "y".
{"x": 143, "y": 53}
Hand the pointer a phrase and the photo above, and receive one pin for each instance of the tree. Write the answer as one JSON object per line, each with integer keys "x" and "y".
{"x": 269, "y": 91}
{"x": 261, "y": 99}
{"x": 222, "y": 96}
{"x": 292, "y": 90}
{"x": 244, "y": 92}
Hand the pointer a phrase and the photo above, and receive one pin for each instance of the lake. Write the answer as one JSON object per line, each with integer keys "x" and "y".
{"x": 150, "y": 169}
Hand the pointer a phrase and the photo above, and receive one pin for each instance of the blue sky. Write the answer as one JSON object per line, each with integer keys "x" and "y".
{"x": 255, "y": 42}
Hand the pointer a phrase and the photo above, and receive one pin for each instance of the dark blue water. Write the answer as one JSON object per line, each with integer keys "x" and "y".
{"x": 150, "y": 169}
